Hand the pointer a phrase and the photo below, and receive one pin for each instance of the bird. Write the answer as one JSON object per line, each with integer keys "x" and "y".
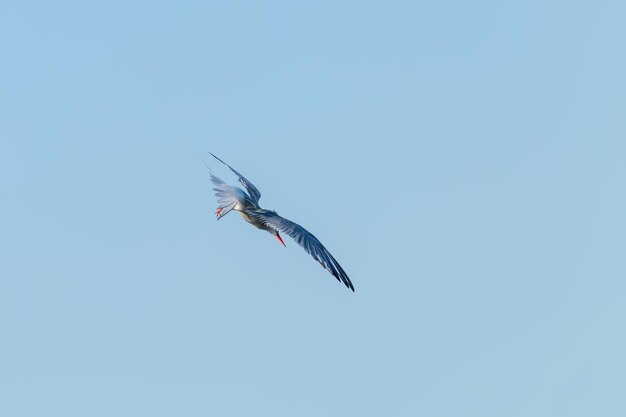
{"x": 247, "y": 204}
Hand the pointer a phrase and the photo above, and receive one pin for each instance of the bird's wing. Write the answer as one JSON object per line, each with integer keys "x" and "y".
{"x": 255, "y": 194}
{"x": 305, "y": 239}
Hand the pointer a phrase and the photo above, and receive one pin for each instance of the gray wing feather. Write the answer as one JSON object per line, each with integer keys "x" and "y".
{"x": 255, "y": 194}
{"x": 303, "y": 238}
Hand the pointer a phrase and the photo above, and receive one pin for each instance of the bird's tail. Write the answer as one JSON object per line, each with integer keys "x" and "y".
{"x": 227, "y": 196}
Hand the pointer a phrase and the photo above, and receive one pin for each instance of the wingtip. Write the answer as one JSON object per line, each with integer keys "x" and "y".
{"x": 213, "y": 155}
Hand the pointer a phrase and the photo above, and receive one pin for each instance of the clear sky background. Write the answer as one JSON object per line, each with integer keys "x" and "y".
{"x": 464, "y": 161}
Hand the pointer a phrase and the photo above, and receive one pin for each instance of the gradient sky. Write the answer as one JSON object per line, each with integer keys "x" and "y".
{"x": 464, "y": 161}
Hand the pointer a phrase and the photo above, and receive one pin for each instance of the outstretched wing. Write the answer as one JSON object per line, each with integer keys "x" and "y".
{"x": 255, "y": 194}
{"x": 303, "y": 238}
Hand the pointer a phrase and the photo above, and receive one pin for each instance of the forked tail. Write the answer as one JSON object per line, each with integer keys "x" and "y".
{"x": 227, "y": 197}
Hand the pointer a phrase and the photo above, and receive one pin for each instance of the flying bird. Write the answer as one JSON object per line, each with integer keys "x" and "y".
{"x": 247, "y": 204}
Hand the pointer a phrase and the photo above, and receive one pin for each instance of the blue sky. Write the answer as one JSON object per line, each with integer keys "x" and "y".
{"x": 464, "y": 161}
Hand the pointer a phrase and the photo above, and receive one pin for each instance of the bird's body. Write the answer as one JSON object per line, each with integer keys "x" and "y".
{"x": 247, "y": 204}
{"x": 254, "y": 222}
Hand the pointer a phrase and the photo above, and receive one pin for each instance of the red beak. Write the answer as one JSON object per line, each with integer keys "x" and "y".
{"x": 280, "y": 239}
